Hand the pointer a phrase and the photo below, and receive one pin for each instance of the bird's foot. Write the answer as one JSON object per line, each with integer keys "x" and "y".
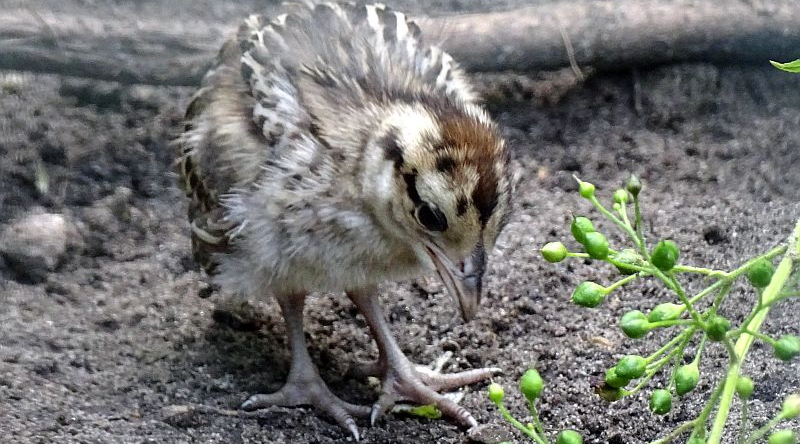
{"x": 403, "y": 381}
{"x": 307, "y": 388}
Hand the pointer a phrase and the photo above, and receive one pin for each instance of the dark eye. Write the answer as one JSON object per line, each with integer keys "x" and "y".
{"x": 431, "y": 218}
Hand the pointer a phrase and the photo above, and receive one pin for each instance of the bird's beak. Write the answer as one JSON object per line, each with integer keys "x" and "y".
{"x": 463, "y": 280}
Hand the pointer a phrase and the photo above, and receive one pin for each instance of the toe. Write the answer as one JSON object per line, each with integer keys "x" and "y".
{"x": 256, "y": 402}
{"x": 448, "y": 407}
{"x": 451, "y": 381}
{"x": 340, "y": 414}
{"x": 381, "y": 406}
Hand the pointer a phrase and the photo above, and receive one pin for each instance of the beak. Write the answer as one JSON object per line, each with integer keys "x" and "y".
{"x": 464, "y": 280}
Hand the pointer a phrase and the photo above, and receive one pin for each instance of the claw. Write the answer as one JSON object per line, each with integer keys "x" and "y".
{"x": 381, "y": 406}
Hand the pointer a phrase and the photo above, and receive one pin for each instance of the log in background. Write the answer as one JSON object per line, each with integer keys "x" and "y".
{"x": 605, "y": 35}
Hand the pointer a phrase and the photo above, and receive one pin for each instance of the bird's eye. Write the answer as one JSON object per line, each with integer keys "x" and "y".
{"x": 431, "y": 218}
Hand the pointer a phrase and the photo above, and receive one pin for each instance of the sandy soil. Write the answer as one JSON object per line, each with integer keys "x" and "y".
{"x": 102, "y": 348}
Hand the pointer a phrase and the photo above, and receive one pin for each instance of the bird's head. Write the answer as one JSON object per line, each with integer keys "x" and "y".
{"x": 441, "y": 184}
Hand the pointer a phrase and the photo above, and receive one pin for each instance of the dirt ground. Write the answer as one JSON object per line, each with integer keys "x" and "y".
{"x": 104, "y": 347}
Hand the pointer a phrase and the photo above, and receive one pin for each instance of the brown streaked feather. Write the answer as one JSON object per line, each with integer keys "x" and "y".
{"x": 480, "y": 149}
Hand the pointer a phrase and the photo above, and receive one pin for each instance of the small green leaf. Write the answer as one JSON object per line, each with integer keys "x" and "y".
{"x": 788, "y": 67}
{"x": 426, "y": 411}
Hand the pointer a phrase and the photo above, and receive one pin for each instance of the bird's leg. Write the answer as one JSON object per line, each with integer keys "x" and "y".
{"x": 403, "y": 381}
{"x": 304, "y": 386}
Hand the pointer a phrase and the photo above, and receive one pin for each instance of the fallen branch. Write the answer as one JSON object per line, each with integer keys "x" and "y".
{"x": 602, "y": 34}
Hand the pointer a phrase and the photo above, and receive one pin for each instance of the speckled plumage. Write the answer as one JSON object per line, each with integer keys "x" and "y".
{"x": 331, "y": 149}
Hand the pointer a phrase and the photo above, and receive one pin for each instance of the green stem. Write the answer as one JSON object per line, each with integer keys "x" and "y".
{"x": 672, "y": 323}
{"x": 761, "y": 336}
{"x": 698, "y": 270}
{"x": 743, "y": 423}
{"x": 676, "y": 432}
{"x": 703, "y": 418}
{"x": 700, "y": 349}
{"x": 637, "y": 220}
{"x": 578, "y": 255}
{"x": 531, "y": 433}
{"x": 621, "y": 282}
{"x": 744, "y": 342}
{"x": 673, "y": 283}
{"x": 674, "y": 341}
{"x": 764, "y": 430}
{"x": 610, "y": 216}
{"x": 536, "y": 421}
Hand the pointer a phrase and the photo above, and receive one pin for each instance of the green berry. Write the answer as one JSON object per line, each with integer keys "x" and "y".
{"x": 744, "y": 387}
{"x": 665, "y": 312}
{"x": 531, "y": 385}
{"x": 579, "y": 227}
{"x": 634, "y": 324}
{"x": 665, "y": 255}
{"x": 620, "y": 197}
{"x": 791, "y": 406}
{"x": 760, "y": 273}
{"x": 554, "y": 252}
{"x": 589, "y": 294}
{"x": 496, "y": 393}
{"x": 586, "y": 189}
{"x": 613, "y": 380}
{"x": 717, "y": 327}
{"x": 569, "y": 437}
{"x": 787, "y": 347}
{"x": 784, "y": 436}
{"x": 630, "y": 257}
{"x": 661, "y": 402}
{"x": 686, "y": 379}
{"x": 596, "y": 245}
{"x": 634, "y": 186}
{"x": 631, "y": 367}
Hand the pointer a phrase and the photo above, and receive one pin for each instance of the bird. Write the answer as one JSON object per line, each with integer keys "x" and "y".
{"x": 331, "y": 148}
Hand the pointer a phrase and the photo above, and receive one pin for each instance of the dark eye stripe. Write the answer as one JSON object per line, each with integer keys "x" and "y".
{"x": 411, "y": 188}
{"x": 461, "y": 206}
{"x": 431, "y": 218}
{"x": 445, "y": 164}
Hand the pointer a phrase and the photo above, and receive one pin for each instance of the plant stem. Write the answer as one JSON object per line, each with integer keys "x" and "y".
{"x": 761, "y": 336}
{"x": 744, "y": 342}
{"x": 701, "y": 420}
{"x": 763, "y": 430}
{"x": 743, "y": 423}
{"x": 676, "y": 432}
{"x": 699, "y": 270}
{"x": 621, "y": 282}
{"x": 536, "y": 421}
{"x": 531, "y": 433}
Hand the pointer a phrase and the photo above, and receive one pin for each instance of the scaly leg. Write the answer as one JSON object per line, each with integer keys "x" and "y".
{"x": 304, "y": 385}
{"x": 402, "y": 381}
